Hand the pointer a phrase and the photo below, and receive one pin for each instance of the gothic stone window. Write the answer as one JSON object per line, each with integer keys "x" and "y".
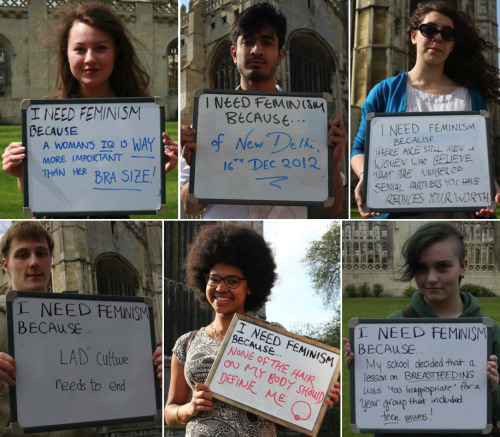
{"x": 116, "y": 277}
{"x": 479, "y": 239}
{"x": 365, "y": 246}
{"x": 172, "y": 52}
{"x": 311, "y": 65}
{"x": 224, "y": 74}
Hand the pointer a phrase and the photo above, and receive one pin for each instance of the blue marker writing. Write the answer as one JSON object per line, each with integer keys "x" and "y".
{"x": 216, "y": 143}
{"x": 274, "y": 180}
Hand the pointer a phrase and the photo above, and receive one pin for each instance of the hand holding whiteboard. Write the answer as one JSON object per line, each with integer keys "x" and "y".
{"x": 93, "y": 156}
{"x": 261, "y": 148}
{"x": 88, "y": 357}
{"x": 420, "y": 375}
{"x": 428, "y": 161}
{"x": 274, "y": 374}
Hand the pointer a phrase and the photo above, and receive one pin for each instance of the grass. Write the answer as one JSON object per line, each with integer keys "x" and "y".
{"x": 381, "y": 307}
{"x": 11, "y": 204}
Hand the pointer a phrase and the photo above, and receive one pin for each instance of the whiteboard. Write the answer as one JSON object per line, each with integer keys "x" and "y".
{"x": 428, "y": 161}
{"x": 420, "y": 374}
{"x": 274, "y": 374}
{"x": 88, "y": 357}
{"x": 93, "y": 156}
{"x": 261, "y": 148}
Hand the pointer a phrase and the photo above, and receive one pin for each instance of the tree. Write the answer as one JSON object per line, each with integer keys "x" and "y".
{"x": 323, "y": 262}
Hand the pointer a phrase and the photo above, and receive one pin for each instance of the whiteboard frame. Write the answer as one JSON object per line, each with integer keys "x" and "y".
{"x": 466, "y": 320}
{"x": 192, "y": 178}
{"x": 13, "y": 294}
{"x": 276, "y": 419}
{"x": 25, "y": 104}
{"x": 366, "y": 170}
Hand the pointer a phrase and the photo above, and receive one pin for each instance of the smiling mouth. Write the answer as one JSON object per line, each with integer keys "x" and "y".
{"x": 222, "y": 298}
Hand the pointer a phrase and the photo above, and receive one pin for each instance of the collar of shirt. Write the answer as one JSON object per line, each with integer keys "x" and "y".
{"x": 278, "y": 88}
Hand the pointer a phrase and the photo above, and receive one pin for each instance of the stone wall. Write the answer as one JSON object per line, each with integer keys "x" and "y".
{"x": 23, "y": 26}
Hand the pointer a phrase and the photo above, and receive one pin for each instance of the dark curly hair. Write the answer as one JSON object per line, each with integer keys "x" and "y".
{"x": 256, "y": 18}
{"x": 129, "y": 77}
{"x": 426, "y": 235}
{"x": 237, "y": 245}
{"x": 466, "y": 64}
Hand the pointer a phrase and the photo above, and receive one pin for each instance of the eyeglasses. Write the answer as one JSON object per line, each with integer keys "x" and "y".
{"x": 230, "y": 281}
{"x": 430, "y": 31}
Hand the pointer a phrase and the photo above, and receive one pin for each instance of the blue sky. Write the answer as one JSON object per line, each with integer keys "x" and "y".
{"x": 293, "y": 300}
{"x": 4, "y": 225}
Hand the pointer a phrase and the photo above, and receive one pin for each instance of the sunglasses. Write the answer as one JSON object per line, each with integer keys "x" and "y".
{"x": 430, "y": 31}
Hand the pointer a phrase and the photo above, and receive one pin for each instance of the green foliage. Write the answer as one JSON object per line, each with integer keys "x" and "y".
{"x": 408, "y": 291}
{"x": 327, "y": 333}
{"x": 351, "y": 290}
{"x": 12, "y": 200}
{"x": 378, "y": 289}
{"x": 322, "y": 260}
{"x": 477, "y": 290}
{"x": 364, "y": 289}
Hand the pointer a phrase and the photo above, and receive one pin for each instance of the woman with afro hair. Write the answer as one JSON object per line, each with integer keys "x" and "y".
{"x": 232, "y": 269}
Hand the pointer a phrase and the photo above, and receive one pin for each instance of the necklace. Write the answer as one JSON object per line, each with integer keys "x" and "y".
{"x": 217, "y": 335}
{"x": 440, "y": 88}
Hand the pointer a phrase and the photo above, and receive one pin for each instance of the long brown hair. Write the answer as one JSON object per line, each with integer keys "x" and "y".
{"x": 129, "y": 77}
{"x": 466, "y": 64}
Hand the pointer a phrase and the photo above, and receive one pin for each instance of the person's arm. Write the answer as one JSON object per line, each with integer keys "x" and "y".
{"x": 487, "y": 213}
{"x": 158, "y": 362}
{"x": 188, "y": 146}
{"x": 190, "y": 208}
{"x": 348, "y": 354}
{"x": 171, "y": 152}
{"x": 358, "y": 165}
{"x": 12, "y": 160}
{"x": 333, "y": 395}
{"x": 337, "y": 141}
{"x": 181, "y": 406}
{"x": 492, "y": 372}
{"x": 7, "y": 370}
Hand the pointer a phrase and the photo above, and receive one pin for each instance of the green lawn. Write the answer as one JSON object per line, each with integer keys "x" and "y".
{"x": 11, "y": 204}
{"x": 381, "y": 307}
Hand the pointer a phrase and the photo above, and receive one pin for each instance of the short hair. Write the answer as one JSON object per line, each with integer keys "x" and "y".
{"x": 237, "y": 245}
{"x": 129, "y": 77}
{"x": 426, "y": 235}
{"x": 27, "y": 230}
{"x": 466, "y": 64}
{"x": 256, "y": 18}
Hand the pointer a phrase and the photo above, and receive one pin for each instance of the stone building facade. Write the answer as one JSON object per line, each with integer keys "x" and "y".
{"x": 119, "y": 258}
{"x": 371, "y": 252}
{"x": 379, "y": 50}
{"x": 28, "y": 70}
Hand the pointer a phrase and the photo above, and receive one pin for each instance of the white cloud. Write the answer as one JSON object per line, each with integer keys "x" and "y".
{"x": 293, "y": 298}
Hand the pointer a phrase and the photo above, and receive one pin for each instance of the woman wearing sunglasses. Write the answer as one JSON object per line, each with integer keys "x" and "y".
{"x": 449, "y": 72}
{"x": 232, "y": 269}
